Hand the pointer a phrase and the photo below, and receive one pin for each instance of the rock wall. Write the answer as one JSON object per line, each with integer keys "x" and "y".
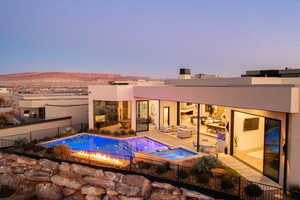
{"x": 49, "y": 180}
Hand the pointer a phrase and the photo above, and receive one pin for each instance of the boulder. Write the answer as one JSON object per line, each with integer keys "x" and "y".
{"x": 130, "y": 198}
{"x": 11, "y": 156}
{"x": 75, "y": 196}
{"x": 92, "y": 190}
{"x": 9, "y": 179}
{"x": 68, "y": 191}
{"x": 195, "y": 195}
{"x": 102, "y": 182}
{"x": 164, "y": 186}
{"x": 92, "y": 197}
{"x": 5, "y": 169}
{"x": 26, "y": 187}
{"x": 34, "y": 175}
{"x": 65, "y": 169}
{"x": 128, "y": 190}
{"x": 141, "y": 182}
{"x": 48, "y": 165}
{"x": 26, "y": 161}
{"x": 113, "y": 176}
{"x": 85, "y": 171}
{"x": 163, "y": 196}
{"x": 66, "y": 181}
{"x": 18, "y": 170}
{"x": 109, "y": 197}
{"x": 48, "y": 191}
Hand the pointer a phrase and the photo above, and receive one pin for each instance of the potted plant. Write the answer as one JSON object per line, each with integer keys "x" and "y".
{"x": 294, "y": 191}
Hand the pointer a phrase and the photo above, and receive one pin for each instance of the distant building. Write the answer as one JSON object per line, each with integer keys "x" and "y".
{"x": 287, "y": 72}
{"x": 50, "y": 106}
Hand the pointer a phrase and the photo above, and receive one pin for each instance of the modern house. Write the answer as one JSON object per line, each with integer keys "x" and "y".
{"x": 258, "y": 117}
{"x": 34, "y": 107}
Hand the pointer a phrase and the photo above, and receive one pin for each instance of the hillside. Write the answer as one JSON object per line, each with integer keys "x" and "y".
{"x": 63, "y": 77}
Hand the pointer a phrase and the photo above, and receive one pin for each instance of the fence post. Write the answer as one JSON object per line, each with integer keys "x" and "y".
{"x": 57, "y": 131}
{"x": 30, "y": 136}
{"x": 178, "y": 175}
{"x": 239, "y": 187}
{"x": 130, "y": 164}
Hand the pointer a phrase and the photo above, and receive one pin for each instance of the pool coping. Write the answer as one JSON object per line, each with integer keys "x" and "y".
{"x": 147, "y": 153}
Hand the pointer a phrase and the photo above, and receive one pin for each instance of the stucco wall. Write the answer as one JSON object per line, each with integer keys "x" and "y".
{"x": 294, "y": 150}
{"x": 38, "y": 130}
{"x": 79, "y": 113}
{"x": 173, "y": 111}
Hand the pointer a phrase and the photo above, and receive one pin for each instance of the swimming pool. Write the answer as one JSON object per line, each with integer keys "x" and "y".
{"x": 175, "y": 153}
{"x": 118, "y": 148}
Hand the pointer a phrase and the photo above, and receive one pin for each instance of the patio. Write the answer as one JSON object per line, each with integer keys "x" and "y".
{"x": 243, "y": 169}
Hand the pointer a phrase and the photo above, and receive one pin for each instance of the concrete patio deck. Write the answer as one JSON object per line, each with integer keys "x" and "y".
{"x": 243, "y": 169}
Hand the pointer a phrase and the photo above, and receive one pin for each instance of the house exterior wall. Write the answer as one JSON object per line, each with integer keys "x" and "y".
{"x": 293, "y": 165}
{"x": 79, "y": 113}
{"x": 279, "y": 99}
{"x": 274, "y": 115}
{"x": 173, "y": 111}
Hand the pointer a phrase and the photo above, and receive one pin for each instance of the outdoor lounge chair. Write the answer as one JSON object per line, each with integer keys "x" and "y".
{"x": 184, "y": 134}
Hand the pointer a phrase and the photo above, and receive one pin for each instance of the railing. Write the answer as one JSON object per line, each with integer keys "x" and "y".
{"x": 158, "y": 170}
{"x": 40, "y": 134}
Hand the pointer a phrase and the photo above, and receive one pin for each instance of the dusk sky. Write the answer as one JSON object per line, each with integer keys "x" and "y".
{"x": 148, "y": 37}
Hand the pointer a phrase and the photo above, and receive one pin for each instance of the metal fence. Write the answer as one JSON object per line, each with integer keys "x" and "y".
{"x": 157, "y": 170}
{"x": 29, "y": 136}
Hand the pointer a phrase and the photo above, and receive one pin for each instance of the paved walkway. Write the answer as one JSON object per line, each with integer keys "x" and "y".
{"x": 243, "y": 169}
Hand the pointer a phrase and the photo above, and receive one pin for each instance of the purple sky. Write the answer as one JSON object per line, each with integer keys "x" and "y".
{"x": 141, "y": 37}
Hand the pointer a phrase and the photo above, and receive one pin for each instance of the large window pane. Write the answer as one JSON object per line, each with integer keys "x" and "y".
{"x": 142, "y": 116}
{"x": 272, "y": 149}
{"x": 113, "y": 114}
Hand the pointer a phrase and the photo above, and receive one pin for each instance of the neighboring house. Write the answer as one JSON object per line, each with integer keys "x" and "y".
{"x": 50, "y": 106}
{"x": 259, "y": 117}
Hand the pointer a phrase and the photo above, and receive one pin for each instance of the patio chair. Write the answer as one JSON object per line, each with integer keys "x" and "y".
{"x": 184, "y": 134}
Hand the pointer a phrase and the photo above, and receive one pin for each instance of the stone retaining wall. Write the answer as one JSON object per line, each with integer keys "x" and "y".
{"x": 49, "y": 180}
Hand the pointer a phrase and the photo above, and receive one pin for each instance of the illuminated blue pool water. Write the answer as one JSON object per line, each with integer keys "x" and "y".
{"x": 175, "y": 153}
{"x": 123, "y": 149}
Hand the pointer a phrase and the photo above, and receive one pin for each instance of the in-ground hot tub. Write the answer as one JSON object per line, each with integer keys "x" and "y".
{"x": 175, "y": 153}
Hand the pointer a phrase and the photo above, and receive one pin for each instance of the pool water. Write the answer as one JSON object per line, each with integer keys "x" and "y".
{"x": 122, "y": 149}
{"x": 175, "y": 153}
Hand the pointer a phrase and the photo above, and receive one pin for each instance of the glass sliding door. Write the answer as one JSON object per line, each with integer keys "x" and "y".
{"x": 272, "y": 148}
{"x": 142, "y": 115}
{"x": 166, "y": 116}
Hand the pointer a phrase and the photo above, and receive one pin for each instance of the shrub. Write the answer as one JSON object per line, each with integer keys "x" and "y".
{"x": 227, "y": 183}
{"x": 203, "y": 178}
{"x": 294, "y": 191}
{"x": 161, "y": 169}
{"x": 194, "y": 172}
{"x": 131, "y": 132}
{"x": 33, "y": 198}
{"x": 6, "y": 191}
{"x": 253, "y": 190}
{"x": 116, "y": 133}
{"x": 62, "y": 150}
{"x": 21, "y": 143}
{"x": 207, "y": 163}
{"x": 50, "y": 150}
{"x": 144, "y": 165}
{"x": 44, "y": 139}
{"x": 183, "y": 174}
{"x": 123, "y": 132}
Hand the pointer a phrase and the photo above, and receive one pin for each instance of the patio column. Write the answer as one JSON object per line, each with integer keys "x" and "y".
{"x": 133, "y": 115}
{"x": 198, "y": 128}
